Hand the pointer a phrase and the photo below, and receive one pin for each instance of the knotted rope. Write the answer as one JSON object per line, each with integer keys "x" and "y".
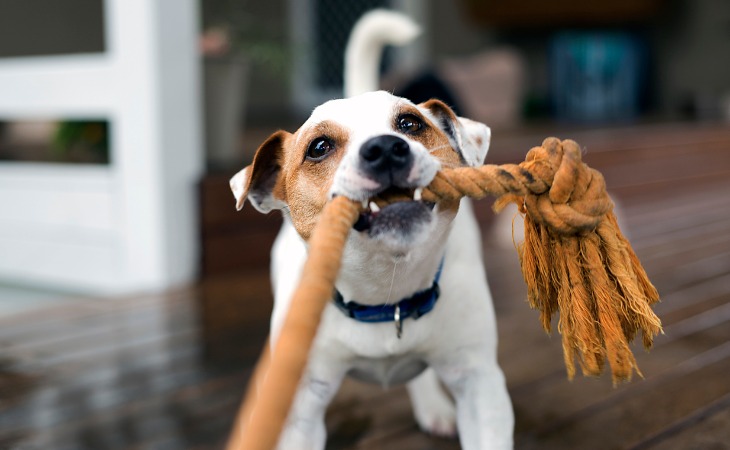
{"x": 574, "y": 260}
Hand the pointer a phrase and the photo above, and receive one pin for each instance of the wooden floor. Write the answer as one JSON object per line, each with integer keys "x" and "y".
{"x": 151, "y": 371}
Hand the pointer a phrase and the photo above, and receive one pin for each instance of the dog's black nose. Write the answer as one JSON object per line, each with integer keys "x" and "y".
{"x": 386, "y": 158}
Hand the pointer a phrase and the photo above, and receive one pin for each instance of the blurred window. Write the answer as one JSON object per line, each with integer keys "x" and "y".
{"x": 51, "y": 27}
{"x": 80, "y": 141}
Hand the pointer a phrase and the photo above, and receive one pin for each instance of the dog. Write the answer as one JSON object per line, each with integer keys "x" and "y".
{"x": 411, "y": 302}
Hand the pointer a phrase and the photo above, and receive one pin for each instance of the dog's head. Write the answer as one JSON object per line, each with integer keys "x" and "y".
{"x": 376, "y": 148}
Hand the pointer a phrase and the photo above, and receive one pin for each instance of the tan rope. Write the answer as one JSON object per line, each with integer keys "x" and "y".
{"x": 260, "y": 424}
{"x": 574, "y": 260}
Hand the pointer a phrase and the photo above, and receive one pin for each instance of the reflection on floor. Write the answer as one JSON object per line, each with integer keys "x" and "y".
{"x": 16, "y": 299}
{"x": 113, "y": 374}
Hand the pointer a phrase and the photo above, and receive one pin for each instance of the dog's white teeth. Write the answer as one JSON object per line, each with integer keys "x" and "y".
{"x": 365, "y": 204}
{"x": 418, "y": 194}
{"x": 374, "y": 207}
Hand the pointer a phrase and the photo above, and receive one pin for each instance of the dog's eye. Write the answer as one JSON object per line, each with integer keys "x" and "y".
{"x": 409, "y": 124}
{"x": 319, "y": 149}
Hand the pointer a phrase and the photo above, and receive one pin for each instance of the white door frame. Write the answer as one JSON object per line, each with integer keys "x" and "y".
{"x": 131, "y": 225}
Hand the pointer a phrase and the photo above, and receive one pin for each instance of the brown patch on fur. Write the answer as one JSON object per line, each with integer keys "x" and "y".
{"x": 307, "y": 182}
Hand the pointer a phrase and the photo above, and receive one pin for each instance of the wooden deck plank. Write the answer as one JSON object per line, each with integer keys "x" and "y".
{"x": 553, "y": 400}
{"x": 647, "y": 412}
{"x": 707, "y": 429}
{"x": 386, "y": 414}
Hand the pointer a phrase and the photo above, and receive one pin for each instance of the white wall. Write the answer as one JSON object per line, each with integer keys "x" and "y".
{"x": 132, "y": 225}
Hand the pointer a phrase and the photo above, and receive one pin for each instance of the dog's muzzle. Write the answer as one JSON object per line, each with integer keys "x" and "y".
{"x": 397, "y": 206}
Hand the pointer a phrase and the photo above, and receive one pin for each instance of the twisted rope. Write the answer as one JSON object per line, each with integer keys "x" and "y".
{"x": 559, "y": 190}
{"x": 574, "y": 260}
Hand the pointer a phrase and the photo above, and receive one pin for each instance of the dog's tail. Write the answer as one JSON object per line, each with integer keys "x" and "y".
{"x": 373, "y": 31}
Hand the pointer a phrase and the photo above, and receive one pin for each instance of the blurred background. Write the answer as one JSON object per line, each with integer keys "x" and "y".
{"x": 134, "y": 299}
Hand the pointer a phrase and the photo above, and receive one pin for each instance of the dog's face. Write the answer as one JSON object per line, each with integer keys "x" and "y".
{"x": 375, "y": 148}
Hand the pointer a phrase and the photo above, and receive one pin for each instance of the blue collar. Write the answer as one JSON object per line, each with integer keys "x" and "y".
{"x": 414, "y": 306}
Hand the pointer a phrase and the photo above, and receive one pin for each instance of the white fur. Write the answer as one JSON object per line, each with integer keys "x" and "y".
{"x": 371, "y": 33}
{"x": 475, "y": 141}
{"x": 238, "y": 186}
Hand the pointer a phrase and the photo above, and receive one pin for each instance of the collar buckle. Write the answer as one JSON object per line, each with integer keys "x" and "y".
{"x": 398, "y": 320}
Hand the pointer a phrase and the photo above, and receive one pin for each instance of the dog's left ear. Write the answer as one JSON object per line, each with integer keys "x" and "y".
{"x": 469, "y": 138}
{"x": 259, "y": 181}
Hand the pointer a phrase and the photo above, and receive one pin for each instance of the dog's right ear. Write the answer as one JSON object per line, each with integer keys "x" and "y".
{"x": 468, "y": 137}
{"x": 259, "y": 181}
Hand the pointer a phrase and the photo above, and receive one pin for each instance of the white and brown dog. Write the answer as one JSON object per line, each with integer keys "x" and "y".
{"x": 411, "y": 302}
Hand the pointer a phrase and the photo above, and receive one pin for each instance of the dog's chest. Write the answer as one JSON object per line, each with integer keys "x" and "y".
{"x": 387, "y": 371}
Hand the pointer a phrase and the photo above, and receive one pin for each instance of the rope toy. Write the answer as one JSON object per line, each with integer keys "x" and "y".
{"x": 574, "y": 260}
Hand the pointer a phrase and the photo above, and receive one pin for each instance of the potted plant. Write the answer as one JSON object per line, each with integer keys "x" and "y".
{"x": 232, "y": 42}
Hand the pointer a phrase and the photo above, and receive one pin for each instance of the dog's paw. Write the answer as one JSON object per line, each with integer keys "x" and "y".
{"x": 436, "y": 414}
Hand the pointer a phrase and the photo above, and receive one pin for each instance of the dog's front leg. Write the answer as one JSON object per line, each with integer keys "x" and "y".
{"x": 483, "y": 408}
{"x": 434, "y": 410}
{"x": 305, "y": 428}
